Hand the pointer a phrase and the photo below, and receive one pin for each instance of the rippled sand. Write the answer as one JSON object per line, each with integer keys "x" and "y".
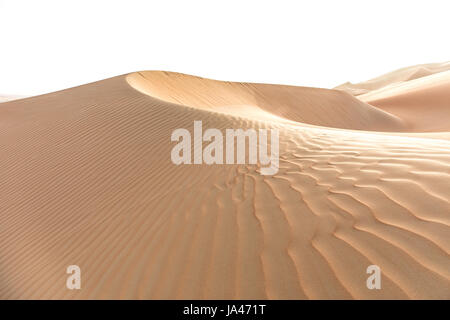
{"x": 86, "y": 178}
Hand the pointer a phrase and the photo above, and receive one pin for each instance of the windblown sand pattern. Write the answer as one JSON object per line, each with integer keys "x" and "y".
{"x": 86, "y": 179}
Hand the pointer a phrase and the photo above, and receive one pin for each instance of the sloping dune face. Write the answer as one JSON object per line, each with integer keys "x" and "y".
{"x": 87, "y": 179}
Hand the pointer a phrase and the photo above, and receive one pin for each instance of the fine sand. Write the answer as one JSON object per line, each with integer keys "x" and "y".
{"x": 86, "y": 179}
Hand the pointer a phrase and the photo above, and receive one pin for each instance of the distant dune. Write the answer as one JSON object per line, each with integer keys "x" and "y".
{"x": 395, "y": 77}
{"x": 423, "y": 103}
{"x": 5, "y": 98}
{"x": 419, "y": 95}
{"x": 86, "y": 179}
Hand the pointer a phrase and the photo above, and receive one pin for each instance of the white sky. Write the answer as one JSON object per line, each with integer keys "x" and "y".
{"x": 51, "y": 45}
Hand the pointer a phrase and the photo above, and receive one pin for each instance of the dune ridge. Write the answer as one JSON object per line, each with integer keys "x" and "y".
{"x": 86, "y": 179}
{"x": 322, "y": 107}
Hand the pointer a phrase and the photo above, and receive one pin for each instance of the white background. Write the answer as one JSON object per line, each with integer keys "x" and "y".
{"x": 51, "y": 45}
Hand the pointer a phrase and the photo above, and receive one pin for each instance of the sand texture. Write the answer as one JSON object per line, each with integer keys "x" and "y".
{"x": 86, "y": 178}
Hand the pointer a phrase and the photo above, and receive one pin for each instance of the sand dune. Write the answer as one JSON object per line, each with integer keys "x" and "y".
{"x": 423, "y": 103}
{"x": 5, "y": 98}
{"x": 394, "y": 78}
{"x": 86, "y": 179}
{"x": 323, "y": 107}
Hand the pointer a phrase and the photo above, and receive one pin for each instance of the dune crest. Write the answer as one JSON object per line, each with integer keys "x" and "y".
{"x": 321, "y": 107}
{"x": 86, "y": 179}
